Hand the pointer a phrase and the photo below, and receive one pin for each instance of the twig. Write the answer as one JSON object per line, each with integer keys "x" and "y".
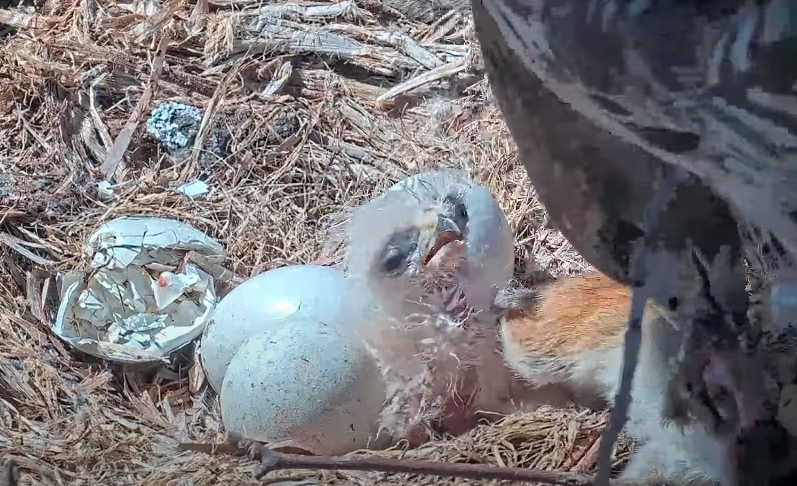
{"x": 207, "y": 119}
{"x": 409, "y": 47}
{"x": 435, "y": 74}
{"x": 399, "y": 41}
{"x": 41, "y": 468}
{"x": 279, "y": 80}
{"x": 117, "y": 152}
{"x": 269, "y": 13}
{"x": 21, "y": 20}
{"x": 34, "y": 292}
{"x": 201, "y": 8}
{"x": 271, "y": 460}
{"x": 442, "y": 26}
{"x": 93, "y": 145}
{"x": 589, "y": 458}
{"x": 19, "y": 246}
{"x": 294, "y": 38}
{"x": 618, "y": 415}
{"x": 105, "y": 136}
{"x": 155, "y": 23}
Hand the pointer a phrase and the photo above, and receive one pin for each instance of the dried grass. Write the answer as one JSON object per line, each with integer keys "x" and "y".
{"x": 324, "y": 107}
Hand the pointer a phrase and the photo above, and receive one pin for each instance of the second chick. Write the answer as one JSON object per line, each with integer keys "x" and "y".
{"x": 571, "y": 332}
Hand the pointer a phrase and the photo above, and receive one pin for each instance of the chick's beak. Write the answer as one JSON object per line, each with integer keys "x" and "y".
{"x": 445, "y": 232}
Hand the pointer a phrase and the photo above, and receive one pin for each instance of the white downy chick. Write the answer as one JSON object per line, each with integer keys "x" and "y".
{"x": 434, "y": 249}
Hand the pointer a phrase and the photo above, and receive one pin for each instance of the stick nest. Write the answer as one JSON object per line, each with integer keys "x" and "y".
{"x": 317, "y": 107}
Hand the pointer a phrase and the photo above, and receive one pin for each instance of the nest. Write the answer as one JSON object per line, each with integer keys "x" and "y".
{"x": 307, "y": 109}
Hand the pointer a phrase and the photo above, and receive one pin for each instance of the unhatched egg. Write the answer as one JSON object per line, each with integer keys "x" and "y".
{"x": 298, "y": 293}
{"x": 306, "y": 381}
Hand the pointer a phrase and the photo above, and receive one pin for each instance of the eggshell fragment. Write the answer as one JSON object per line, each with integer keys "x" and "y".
{"x": 269, "y": 300}
{"x": 306, "y": 381}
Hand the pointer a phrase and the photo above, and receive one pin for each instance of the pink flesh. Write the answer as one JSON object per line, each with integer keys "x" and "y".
{"x": 723, "y": 369}
{"x": 323, "y": 261}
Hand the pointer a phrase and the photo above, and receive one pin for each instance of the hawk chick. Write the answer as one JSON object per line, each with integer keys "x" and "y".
{"x": 434, "y": 249}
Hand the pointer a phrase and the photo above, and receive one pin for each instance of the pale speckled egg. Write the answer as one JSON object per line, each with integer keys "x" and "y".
{"x": 306, "y": 381}
{"x": 269, "y": 300}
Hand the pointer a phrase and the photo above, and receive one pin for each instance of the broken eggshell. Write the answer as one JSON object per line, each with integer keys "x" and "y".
{"x": 142, "y": 300}
{"x": 272, "y": 299}
{"x": 310, "y": 382}
{"x": 142, "y": 239}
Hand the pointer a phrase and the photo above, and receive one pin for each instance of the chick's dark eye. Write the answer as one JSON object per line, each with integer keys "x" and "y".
{"x": 461, "y": 211}
{"x": 398, "y": 249}
{"x": 454, "y": 201}
{"x": 393, "y": 260}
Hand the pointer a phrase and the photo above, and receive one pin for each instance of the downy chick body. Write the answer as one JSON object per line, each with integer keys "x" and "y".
{"x": 571, "y": 333}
